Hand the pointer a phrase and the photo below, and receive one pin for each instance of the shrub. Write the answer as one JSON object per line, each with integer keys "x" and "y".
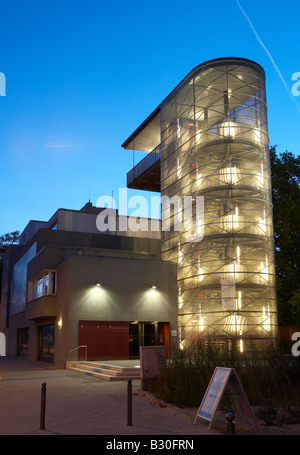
{"x": 268, "y": 376}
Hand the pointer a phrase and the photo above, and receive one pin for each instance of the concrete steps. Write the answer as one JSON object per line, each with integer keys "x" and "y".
{"x": 108, "y": 372}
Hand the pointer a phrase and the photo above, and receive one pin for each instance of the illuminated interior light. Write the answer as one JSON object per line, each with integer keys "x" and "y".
{"x": 180, "y": 299}
{"x": 229, "y": 129}
{"x": 59, "y": 323}
{"x": 231, "y": 222}
{"x": 181, "y": 340}
{"x": 201, "y": 320}
{"x": 179, "y": 169}
{"x": 241, "y": 346}
{"x": 180, "y": 255}
{"x": 178, "y": 128}
{"x": 236, "y": 218}
{"x": 199, "y": 177}
{"x": 235, "y": 324}
{"x": 239, "y": 302}
{"x": 230, "y": 175}
{"x": 198, "y": 135}
{"x": 200, "y": 271}
{"x": 201, "y": 324}
{"x": 257, "y": 135}
{"x": 266, "y": 319}
{"x": 154, "y": 287}
{"x": 260, "y": 179}
{"x": 238, "y": 254}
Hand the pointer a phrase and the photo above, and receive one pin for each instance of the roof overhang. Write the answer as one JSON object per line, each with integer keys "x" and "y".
{"x": 147, "y": 136}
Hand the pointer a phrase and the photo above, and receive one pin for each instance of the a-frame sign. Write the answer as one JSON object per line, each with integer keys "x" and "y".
{"x": 222, "y": 379}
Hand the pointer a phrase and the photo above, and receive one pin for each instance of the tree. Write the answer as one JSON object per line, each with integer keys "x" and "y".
{"x": 11, "y": 238}
{"x": 285, "y": 169}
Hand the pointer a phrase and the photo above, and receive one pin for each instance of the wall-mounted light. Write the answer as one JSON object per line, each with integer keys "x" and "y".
{"x": 154, "y": 287}
{"x": 98, "y": 284}
{"x": 59, "y": 323}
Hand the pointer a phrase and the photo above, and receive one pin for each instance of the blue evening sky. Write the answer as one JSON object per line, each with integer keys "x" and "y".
{"x": 82, "y": 75}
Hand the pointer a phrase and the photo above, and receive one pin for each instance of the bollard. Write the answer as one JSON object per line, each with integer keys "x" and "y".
{"x": 129, "y": 403}
{"x": 230, "y": 429}
{"x": 43, "y": 406}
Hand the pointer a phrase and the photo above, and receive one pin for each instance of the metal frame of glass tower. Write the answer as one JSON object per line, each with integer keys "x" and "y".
{"x": 214, "y": 148}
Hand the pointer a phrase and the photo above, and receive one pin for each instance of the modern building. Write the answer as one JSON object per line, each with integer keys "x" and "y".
{"x": 204, "y": 272}
{"x": 207, "y": 144}
{"x": 68, "y": 285}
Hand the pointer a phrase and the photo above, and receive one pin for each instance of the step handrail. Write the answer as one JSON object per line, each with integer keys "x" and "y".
{"x": 78, "y": 347}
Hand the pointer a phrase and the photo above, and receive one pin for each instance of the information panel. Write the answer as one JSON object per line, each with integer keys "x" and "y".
{"x": 213, "y": 393}
{"x": 224, "y": 379}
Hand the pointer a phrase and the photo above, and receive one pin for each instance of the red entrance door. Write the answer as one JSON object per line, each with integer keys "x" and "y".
{"x": 104, "y": 340}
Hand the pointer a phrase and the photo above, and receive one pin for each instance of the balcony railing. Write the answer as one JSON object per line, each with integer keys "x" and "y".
{"x": 145, "y": 164}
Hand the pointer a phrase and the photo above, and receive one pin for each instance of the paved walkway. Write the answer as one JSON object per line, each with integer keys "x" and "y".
{"x": 78, "y": 404}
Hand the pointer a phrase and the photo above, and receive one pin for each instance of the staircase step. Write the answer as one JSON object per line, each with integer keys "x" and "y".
{"x": 109, "y": 371}
{"x": 94, "y": 374}
{"x": 105, "y": 371}
{"x": 105, "y": 366}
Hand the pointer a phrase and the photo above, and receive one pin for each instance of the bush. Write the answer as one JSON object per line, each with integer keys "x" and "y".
{"x": 268, "y": 376}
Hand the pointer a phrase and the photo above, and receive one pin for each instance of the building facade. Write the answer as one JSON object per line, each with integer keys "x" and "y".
{"x": 68, "y": 285}
{"x": 207, "y": 146}
{"x": 205, "y": 272}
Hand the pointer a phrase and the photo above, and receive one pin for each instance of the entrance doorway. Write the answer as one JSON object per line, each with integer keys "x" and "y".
{"x": 120, "y": 340}
{"x": 23, "y": 337}
{"x": 46, "y": 343}
{"x": 104, "y": 340}
{"x": 147, "y": 334}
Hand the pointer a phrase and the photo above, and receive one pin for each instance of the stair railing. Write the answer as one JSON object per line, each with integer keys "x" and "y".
{"x": 78, "y": 347}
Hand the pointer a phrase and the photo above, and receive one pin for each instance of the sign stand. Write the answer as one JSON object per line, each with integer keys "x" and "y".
{"x": 222, "y": 378}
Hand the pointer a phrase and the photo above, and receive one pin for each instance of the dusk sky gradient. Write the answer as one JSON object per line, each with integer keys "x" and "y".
{"x": 82, "y": 76}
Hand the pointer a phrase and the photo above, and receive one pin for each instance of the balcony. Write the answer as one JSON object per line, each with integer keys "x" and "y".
{"x": 146, "y": 174}
{"x": 42, "y": 307}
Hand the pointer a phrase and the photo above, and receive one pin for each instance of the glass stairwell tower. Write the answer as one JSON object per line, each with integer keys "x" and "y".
{"x": 208, "y": 142}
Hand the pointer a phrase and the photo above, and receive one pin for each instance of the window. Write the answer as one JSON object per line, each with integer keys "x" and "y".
{"x": 46, "y": 343}
{"x": 45, "y": 285}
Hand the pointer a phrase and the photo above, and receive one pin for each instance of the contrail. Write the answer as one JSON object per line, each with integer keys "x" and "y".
{"x": 269, "y": 55}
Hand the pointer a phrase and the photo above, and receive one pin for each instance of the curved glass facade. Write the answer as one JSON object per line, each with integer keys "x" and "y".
{"x": 215, "y": 152}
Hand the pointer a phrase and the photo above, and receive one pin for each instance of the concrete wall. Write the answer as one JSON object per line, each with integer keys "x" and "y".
{"x": 90, "y": 222}
{"x": 125, "y": 295}
{"x": 18, "y": 322}
{"x": 126, "y": 266}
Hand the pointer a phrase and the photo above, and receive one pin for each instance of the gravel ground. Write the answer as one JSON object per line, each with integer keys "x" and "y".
{"x": 240, "y": 427}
